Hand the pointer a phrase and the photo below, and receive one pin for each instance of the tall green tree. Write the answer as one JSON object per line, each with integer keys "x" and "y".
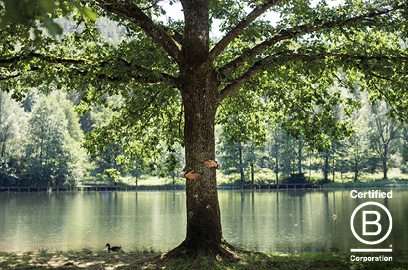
{"x": 231, "y": 158}
{"x": 13, "y": 122}
{"x": 174, "y": 79}
{"x": 297, "y": 147}
{"x": 404, "y": 149}
{"x": 48, "y": 152}
{"x": 384, "y": 135}
{"x": 272, "y": 157}
{"x": 358, "y": 150}
{"x": 243, "y": 124}
{"x": 238, "y": 158}
{"x": 358, "y": 144}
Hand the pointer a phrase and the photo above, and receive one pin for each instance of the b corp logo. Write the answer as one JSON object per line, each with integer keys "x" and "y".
{"x": 372, "y": 222}
{"x": 371, "y": 218}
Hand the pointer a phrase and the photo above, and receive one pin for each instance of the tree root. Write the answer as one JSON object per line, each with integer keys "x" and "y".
{"x": 222, "y": 253}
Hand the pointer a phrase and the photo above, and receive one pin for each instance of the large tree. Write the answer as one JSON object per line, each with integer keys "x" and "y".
{"x": 384, "y": 135}
{"x": 12, "y": 127}
{"x": 49, "y": 151}
{"x": 174, "y": 79}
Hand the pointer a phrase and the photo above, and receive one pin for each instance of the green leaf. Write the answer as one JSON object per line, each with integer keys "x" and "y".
{"x": 47, "y": 5}
{"x": 52, "y": 27}
{"x": 89, "y": 13}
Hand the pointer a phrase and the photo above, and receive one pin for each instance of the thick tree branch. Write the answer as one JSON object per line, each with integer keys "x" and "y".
{"x": 10, "y": 77}
{"x": 135, "y": 15}
{"x": 289, "y": 56}
{"x": 4, "y": 62}
{"x": 390, "y": 102}
{"x": 135, "y": 74}
{"x": 150, "y": 76}
{"x": 234, "y": 86}
{"x": 309, "y": 58}
{"x": 151, "y": 6}
{"x": 127, "y": 78}
{"x": 174, "y": 34}
{"x": 238, "y": 29}
{"x": 299, "y": 31}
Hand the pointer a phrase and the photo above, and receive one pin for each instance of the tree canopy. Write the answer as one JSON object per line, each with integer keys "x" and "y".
{"x": 289, "y": 64}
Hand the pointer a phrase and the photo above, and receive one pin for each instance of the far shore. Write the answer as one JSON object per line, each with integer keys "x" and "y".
{"x": 97, "y": 186}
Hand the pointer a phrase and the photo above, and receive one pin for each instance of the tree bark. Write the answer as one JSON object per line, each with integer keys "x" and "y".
{"x": 3, "y": 149}
{"x": 326, "y": 167}
{"x": 201, "y": 100}
{"x": 299, "y": 165}
{"x": 241, "y": 164}
{"x": 198, "y": 84}
{"x": 252, "y": 173}
{"x": 356, "y": 170}
{"x": 384, "y": 161}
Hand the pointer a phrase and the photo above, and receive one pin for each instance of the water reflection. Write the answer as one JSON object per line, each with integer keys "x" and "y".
{"x": 302, "y": 220}
{"x": 289, "y": 220}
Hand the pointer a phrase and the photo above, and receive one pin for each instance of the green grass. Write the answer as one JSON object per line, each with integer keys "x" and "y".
{"x": 151, "y": 260}
{"x": 340, "y": 181}
{"x": 369, "y": 184}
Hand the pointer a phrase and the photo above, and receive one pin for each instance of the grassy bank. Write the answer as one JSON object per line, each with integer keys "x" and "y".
{"x": 267, "y": 175}
{"x": 151, "y": 260}
{"x": 390, "y": 183}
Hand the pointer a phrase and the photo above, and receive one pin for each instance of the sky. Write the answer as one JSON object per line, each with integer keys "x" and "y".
{"x": 175, "y": 12}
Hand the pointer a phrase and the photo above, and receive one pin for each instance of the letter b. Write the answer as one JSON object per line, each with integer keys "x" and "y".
{"x": 375, "y": 222}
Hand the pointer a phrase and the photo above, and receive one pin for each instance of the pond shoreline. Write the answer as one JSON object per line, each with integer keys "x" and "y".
{"x": 160, "y": 187}
{"x": 286, "y": 222}
{"x": 335, "y": 185}
{"x": 151, "y": 260}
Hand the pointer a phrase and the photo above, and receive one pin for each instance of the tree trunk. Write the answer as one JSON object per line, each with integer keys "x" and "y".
{"x": 276, "y": 158}
{"x": 3, "y": 149}
{"x": 384, "y": 161}
{"x": 241, "y": 164}
{"x": 252, "y": 173}
{"x": 385, "y": 169}
{"x": 203, "y": 213}
{"x": 356, "y": 171}
{"x": 276, "y": 169}
{"x": 299, "y": 165}
{"x": 326, "y": 168}
{"x": 198, "y": 84}
{"x": 200, "y": 99}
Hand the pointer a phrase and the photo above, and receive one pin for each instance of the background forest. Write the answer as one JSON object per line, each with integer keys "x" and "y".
{"x": 41, "y": 137}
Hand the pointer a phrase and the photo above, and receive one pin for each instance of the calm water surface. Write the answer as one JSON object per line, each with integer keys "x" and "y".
{"x": 289, "y": 220}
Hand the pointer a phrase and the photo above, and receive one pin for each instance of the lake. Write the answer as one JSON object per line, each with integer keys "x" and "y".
{"x": 269, "y": 221}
